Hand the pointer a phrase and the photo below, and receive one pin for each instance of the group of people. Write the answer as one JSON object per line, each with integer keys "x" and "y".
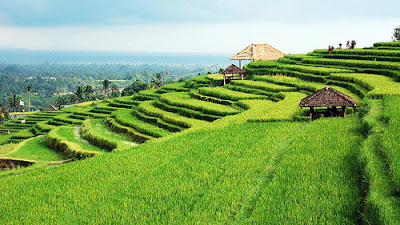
{"x": 349, "y": 45}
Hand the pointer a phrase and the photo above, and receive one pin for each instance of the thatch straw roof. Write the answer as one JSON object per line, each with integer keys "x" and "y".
{"x": 257, "y": 52}
{"x": 327, "y": 97}
{"x": 51, "y": 108}
{"x": 233, "y": 69}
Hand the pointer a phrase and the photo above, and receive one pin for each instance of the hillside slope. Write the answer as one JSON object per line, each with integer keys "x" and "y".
{"x": 195, "y": 152}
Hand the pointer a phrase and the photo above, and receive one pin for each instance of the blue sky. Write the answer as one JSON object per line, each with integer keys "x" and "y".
{"x": 212, "y": 26}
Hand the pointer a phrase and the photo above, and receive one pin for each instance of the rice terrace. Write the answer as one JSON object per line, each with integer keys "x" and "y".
{"x": 203, "y": 152}
{"x": 200, "y": 112}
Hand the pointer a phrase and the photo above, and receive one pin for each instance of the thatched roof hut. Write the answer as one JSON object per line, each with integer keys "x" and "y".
{"x": 257, "y": 52}
{"x": 328, "y": 97}
{"x": 232, "y": 69}
{"x": 51, "y": 108}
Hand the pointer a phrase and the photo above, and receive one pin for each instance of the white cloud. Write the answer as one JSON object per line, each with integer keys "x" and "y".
{"x": 209, "y": 38}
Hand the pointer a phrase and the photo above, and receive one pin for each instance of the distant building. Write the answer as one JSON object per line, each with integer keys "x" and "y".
{"x": 51, "y": 108}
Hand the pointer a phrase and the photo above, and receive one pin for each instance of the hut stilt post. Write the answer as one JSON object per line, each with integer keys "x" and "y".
{"x": 224, "y": 80}
{"x": 344, "y": 111}
{"x": 240, "y": 64}
{"x": 311, "y": 113}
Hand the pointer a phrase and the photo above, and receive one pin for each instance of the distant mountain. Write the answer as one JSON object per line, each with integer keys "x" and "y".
{"x": 24, "y": 56}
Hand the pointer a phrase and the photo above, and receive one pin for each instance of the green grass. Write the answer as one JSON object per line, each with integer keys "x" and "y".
{"x": 98, "y": 133}
{"x": 290, "y": 81}
{"x": 262, "y": 85}
{"x": 360, "y": 52}
{"x": 173, "y": 118}
{"x": 4, "y": 138}
{"x": 352, "y": 63}
{"x": 64, "y": 118}
{"x": 63, "y": 141}
{"x": 23, "y": 134}
{"x": 150, "y": 92}
{"x": 6, "y": 148}
{"x": 217, "y": 76}
{"x": 204, "y": 182}
{"x": 267, "y": 111}
{"x": 304, "y": 85}
{"x": 179, "y": 86}
{"x": 377, "y": 84}
{"x": 73, "y": 135}
{"x": 312, "y": 69}
{"x": 23, "y": 113}
{"x": 391, "y": 135}
{"x": 227, "y": 94}
{"x": 316, "y": 178}
{"x": 126, "y": 117}
{"x": 34, "y": 149}
{"x": 251, "y": 165}
{"x": 380, "y": 160}
{"x": 185, "y": 100}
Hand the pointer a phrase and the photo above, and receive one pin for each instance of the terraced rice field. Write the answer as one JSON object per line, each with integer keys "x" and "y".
{"x": 197, "y": 152}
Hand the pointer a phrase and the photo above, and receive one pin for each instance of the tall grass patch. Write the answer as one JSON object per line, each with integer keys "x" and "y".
{"x": 34, "y": 149}
{"x": 165, "y": 182}
{"x": 185, "y": 100}
{"x": 317, "y": 178}
{"x": 227, "y": 94}
{"x": 377, "y": 85}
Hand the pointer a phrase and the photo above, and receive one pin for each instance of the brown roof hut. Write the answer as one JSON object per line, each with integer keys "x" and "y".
{"x": 257, "y": 52}
{"x": 232, "y": 69}
{"x": 328, "y": 97}
{"x": 51, "y": 108}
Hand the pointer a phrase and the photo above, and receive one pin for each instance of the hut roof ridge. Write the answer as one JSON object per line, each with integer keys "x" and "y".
{"x": 233, "y": 69}
{"x": 256, "y": 52}
{"x": 326, "y": 97}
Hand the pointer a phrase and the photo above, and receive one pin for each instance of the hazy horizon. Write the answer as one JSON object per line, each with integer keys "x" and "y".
{"x": 222, "y": 27}
{"x": 24, "y": 56}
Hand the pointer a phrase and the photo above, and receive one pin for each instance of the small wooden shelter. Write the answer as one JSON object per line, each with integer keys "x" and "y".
{"x": 257, "y": 52}
{"x": 232, "y": 69}
{"x": 330, "y": 98}
{"x": 51, "y": 108}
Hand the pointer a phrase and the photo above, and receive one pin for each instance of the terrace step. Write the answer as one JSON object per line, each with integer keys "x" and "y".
{"x": 186, "y": 112}
{"x": 157, "y": 121}
{"x": 249, "y": 90}
{"x": 120, "y": 105}
{"x": 353, "y": 87}
{"x": 184, "y": 100}
{"x": 227, "y": 94}
{"x": 184, "y": 122}
{"x": 127, "y": 117}
{"x": 136, "y": 135}
{"x": 270, "y": 87}
{"x": 195, "y": 94}
{"x": 91, "y": 114}
{"x": 44, "y": 126}
{"x": 67, "y": 141}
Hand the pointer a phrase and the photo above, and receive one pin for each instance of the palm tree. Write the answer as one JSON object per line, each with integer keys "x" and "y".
{"x": 61, "y": 100}
{"x": 157, "y": 81}
{"x": 106, "y": 86}
{"x": 14, "y": 102}
{"x": 88, "y": 92}
{"x": 79, "y": 93}
{"x": 115, "y": 91}
{"x": 1, "y": 112}
{"x": 29, "y": 91}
